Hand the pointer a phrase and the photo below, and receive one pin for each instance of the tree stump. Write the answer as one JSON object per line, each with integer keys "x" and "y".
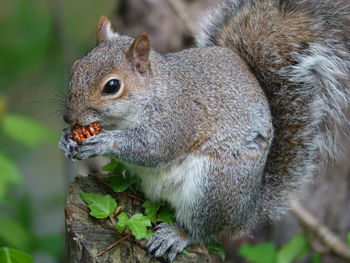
{"x": 87, "y": 236}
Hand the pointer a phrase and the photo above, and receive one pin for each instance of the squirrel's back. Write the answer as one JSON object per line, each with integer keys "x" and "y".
{"x": 300, "y": 53}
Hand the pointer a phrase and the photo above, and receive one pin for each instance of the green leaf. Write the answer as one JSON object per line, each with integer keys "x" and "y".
{"x": 316, "y": 258}
{"x": 216, "y": 247}
{"x": 184, "y": 251}
{"x": 348, "y": 239}
{"x": 10, "y": 255}
{"x": 9, "y": 174}
{"x": 294, "y": 249}
{"x": 14, "y": 234}
{"x": 121, "y": 183}
{"x": 101, "y": 206}
{"x": 114, "y": 167}
{"x": 166, "y": 214}
{"x": 151, "y": 209}
{"x": 123, "y": 222}
{"x": 260, "y": 253}
{"x": 138, "y": 225}
{"x": 26, "y": 131}
{"x": 150, "y": 233}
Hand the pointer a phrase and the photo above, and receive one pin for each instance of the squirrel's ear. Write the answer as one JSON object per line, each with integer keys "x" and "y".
{"x": 138, "y": 53}
{"x": 104, "y": 30}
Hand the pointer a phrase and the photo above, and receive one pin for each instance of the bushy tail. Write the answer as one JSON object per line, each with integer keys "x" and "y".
{"x": 300, "y": 52}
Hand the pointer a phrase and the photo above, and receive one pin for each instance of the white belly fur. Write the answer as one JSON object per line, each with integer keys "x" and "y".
{"x": 179, "y": 183}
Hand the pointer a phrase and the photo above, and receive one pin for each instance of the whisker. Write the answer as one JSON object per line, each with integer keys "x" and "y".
{"x": 56, "y": 92}
{"x": 57, "y": 113}
{"x": 49, "y": 103}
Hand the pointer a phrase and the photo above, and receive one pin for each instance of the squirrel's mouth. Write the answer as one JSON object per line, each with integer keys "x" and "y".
{"x": 102, "y": 123}
{"x": 109, "y": 123}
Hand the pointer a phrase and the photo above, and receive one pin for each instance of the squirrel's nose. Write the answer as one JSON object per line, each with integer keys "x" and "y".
{"x": 69, "y": 119}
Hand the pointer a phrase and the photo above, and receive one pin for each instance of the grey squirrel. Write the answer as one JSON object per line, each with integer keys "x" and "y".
{"x": 228, "y": 132}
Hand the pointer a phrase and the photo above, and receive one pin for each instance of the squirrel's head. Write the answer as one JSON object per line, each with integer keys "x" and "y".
{"x": 110, "y": 83}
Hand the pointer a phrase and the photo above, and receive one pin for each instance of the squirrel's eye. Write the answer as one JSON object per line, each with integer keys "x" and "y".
{"x": 112, "y": 86}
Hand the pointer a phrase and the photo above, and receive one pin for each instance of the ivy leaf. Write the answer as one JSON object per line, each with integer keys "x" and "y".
{"x": 26, "y": 131}
{"x": 260, "y": 253}
{"x": 294, "y": 249}
{"x": 167, "y": 215}
{"x": 138, "y": 225}
{"x": 9, "y": 174}
{"x": 101, "y": 206}
{"x": 151, "y": 209}
{"x": 10, "y": 255}
{"x": 121, "y": 183}
{"x": 150, "y": 233}
{"x": 114, "y": 167}
{"x": 123, "y": 222}
{"x": 216, "y": 247}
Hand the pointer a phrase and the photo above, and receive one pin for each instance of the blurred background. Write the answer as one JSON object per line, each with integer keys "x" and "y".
{"x": 40, "y": 39}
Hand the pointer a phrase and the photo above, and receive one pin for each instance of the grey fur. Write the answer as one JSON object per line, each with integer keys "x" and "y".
{"x": 197, "y": 125}
{"x": 307, "y": 78}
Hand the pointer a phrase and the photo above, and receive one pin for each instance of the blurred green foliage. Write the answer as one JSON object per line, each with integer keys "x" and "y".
{"x": 10, "y": 255}
{"x": 39, "y": 41}
{"x": 15, "y": 221}
{"x": 27, "y": 37}
{"x": 296, "y": 248}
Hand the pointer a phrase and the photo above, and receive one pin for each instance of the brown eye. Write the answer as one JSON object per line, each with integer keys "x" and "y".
{"x": 111, "y": 87}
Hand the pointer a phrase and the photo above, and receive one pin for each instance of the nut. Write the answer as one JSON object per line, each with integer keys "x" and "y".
{"x": 80, "y": 133}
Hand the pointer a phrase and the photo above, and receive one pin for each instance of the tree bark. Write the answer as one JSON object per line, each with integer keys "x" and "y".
{"x": 87, "y": 236}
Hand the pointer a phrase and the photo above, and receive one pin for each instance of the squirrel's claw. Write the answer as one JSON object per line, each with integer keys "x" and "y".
{"x": 167, "y": 238}
{"x": 97, "y": 145}
{"x": 67, "y": 145}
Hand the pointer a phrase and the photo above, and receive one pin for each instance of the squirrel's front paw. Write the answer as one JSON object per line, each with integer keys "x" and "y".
{"x": 94, "y": 146}
{"x": 168, "y": 238}
{"x": 66, "y": 144}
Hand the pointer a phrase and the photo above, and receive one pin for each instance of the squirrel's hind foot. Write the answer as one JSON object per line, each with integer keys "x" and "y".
{"x": 168, "y": 238}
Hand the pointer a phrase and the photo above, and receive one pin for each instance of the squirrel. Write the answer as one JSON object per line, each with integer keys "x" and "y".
{"x": 228, "y": 132}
